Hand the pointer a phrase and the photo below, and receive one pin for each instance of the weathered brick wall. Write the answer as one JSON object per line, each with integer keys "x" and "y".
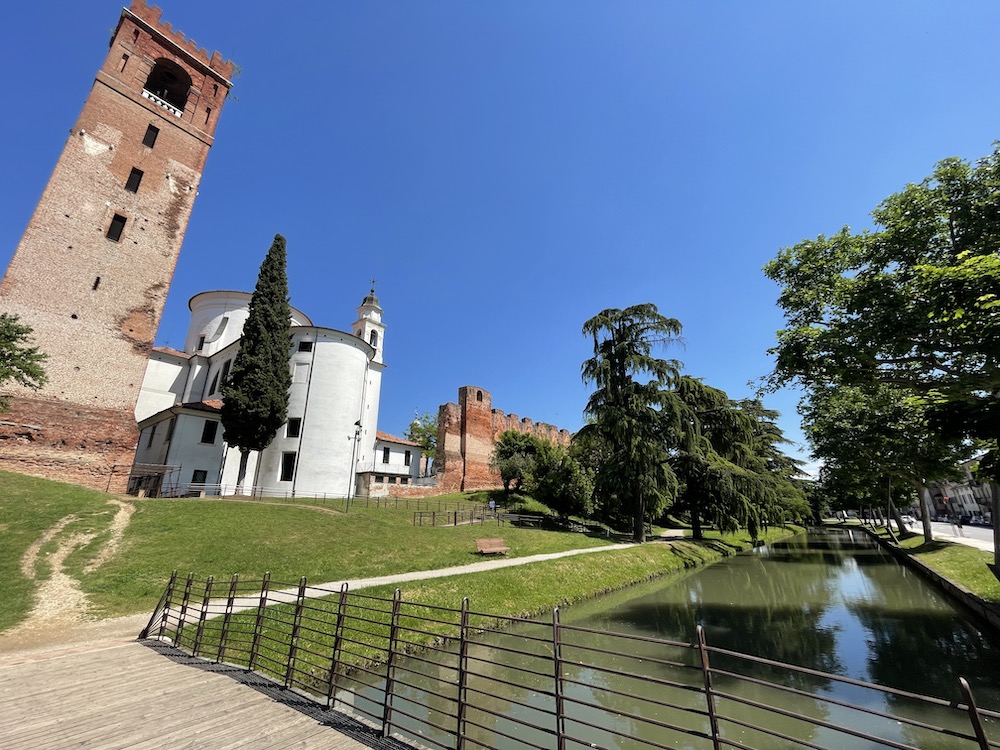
{"x": 466, "y": 433}
{"x": 94, "y": 304}
{"x": 90, "y": 447}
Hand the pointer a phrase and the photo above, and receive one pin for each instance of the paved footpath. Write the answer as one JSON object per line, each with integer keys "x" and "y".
{"x": 93, "y": 685}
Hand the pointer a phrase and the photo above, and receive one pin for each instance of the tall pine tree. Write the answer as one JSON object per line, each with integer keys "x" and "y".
{"x": 255, "y": 398}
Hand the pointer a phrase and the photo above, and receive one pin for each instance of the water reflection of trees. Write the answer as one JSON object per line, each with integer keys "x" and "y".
{"x": 918, "y": 643}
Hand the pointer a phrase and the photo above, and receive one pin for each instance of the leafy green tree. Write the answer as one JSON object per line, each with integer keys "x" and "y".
{"x": 634, "y": 477}
{"x": 877, "y": 434}
{"x": 423, "y": 431}
{"x": 514, "y": 458}
{"x": 713, "y": 459}
{"x": 19, "y": 362}
{"x": 560, "y": 481}
{"x": 914, "y": 303}
{"x": 255, "y": 398}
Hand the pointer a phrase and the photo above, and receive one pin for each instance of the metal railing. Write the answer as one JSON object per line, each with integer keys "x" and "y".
{"x": 337, "y": 502}
{"x": 456, "y": 678}
{"x": 475, "y": 514}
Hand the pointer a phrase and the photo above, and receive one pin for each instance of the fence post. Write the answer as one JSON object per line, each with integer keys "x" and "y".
{"x": 463, "y": 671}
{"x": 160, "y": 613}
{"x": 709, "y": 698}
{"x": 258, "y": 625}
{"x": 977, "y": 724}
{"x": 557, "y": 674}
{"x": 338, "y": 635}
{"x": 293, "y": 643}
{"x": 391, "y": 664}
{"x": 171, "y": 584}
{"x": 203, "y": 615}
{"x": 228, "y": 617}
{"x": 184, "y": 605}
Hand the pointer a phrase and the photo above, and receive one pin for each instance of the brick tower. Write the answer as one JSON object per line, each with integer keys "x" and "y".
{"x": 91, "y": 272}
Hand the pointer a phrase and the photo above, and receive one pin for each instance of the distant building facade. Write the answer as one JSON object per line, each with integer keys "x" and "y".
{"x": 331, "y": 433}
{"x": 92, "y": 271}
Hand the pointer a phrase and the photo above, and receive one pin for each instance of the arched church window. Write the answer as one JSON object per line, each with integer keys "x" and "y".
{"x": 479, "y": 395}
{"x": 170, "y": 82}
{"x": 373, "y": 339}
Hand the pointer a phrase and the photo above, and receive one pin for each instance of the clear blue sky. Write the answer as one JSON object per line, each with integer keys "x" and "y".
{"x": 506, "y": 170}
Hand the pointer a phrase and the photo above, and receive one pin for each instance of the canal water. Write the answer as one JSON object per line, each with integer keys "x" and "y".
{"x": 829, "y": 601}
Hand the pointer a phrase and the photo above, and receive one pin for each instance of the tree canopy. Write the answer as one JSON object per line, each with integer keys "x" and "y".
{"x": 662, "y": 441}
{"x": 423, "y": 431}
{"x": 255, "y": 398}
{"x": 913, "y": 303}
{"x": 625, "y": 409}
{"x": 20, "y": 362}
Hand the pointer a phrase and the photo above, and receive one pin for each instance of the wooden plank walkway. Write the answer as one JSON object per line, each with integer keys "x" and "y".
{"x": 149, "y": 695}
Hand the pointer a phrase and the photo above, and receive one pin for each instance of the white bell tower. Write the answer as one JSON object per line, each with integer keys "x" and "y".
{"x": 369, "y": 327}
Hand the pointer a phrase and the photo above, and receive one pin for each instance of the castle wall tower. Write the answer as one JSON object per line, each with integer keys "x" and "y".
{"x": 92, "y": 271}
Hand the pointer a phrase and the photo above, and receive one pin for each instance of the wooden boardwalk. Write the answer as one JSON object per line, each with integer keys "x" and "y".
{"x": 146, "y": 696}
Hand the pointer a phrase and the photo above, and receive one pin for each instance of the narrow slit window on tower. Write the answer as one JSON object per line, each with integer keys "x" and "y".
{"x": 133, "y": 180}
{"x": 121, "y": 68}
{"x": 135, "y": 35}
{"x": 116, "y": 228}
{"x": 150, "y": 138}
{"x": 97, "y": 283}
{"x": 208, "y": 113}
{"x": 215, "y": 89}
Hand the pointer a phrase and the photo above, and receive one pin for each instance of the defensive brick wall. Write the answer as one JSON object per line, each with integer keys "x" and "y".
{"x": 466, "y": 433}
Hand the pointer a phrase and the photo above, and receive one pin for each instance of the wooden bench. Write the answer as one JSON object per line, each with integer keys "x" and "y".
{"x": 491, "y": 547}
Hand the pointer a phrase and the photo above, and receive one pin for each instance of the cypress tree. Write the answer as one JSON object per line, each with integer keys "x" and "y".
{"x": 255, "y": 397}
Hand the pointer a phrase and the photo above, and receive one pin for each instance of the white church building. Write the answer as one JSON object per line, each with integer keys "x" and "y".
{"x": 329, "y": 446}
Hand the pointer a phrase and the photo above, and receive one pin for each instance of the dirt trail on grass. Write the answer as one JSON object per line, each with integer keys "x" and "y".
{"x": 60, "y": 619}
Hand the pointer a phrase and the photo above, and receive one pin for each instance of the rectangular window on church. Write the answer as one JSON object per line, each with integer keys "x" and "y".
{"x": 208, "y": 431}
{"x": 287, "y": 467}
{"x": 152, "y": 434}
{"x": 150, "y": 138}
{"x": 385, "y": 455}
{"x": 294, "y": 427}
{"x": 116, "y": 228}
{"x": 133, "y": 180}
{"x": 199, "y": 476}
{"x": 305, "y": 346}
{"x": 406, "y": 458}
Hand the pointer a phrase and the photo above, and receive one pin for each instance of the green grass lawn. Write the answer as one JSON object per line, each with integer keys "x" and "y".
{"x": 28, "y": 507}
{"x": 222, "y": 537}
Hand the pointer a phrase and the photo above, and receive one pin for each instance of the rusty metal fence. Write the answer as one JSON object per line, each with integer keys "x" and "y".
{"x": 455, "y": 678}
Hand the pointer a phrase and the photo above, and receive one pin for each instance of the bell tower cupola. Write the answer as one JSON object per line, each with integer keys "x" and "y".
{"x": 369, "y": 326}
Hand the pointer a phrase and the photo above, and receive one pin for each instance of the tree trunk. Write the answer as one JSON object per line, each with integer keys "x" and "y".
{"x": 898, "y": 516}
{"x": 925, "y": 512}
{"x": 639, "y": 522}
{"x": 241, "y": 475}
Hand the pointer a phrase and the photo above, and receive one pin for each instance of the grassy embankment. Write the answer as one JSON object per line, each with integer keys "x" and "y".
{"x": 959, "y": 563}
{"x": 221, "y": 537}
